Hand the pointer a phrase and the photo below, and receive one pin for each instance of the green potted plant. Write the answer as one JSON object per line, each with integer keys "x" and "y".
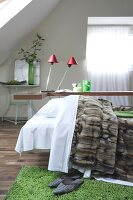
{"x": 31, "y": 56}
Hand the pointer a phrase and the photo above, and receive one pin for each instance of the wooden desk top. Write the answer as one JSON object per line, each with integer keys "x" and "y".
{"x": 41, "y": 95}
{"x": 92, "y": 93}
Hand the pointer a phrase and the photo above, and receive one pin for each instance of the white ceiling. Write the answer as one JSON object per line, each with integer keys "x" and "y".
{"x": 23, "y": 23}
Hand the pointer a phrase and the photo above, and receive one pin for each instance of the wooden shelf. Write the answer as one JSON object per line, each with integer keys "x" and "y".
{"x": 30, "y": 96}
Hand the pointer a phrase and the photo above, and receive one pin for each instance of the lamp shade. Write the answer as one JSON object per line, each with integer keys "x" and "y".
{"x": 52, "y": 59}
{"x": 71, "y": 61}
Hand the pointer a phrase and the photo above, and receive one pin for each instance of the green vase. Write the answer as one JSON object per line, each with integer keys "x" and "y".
{"x": 31, "y": 73}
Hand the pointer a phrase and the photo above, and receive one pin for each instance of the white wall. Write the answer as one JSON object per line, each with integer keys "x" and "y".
{"x": 65, "y": 31}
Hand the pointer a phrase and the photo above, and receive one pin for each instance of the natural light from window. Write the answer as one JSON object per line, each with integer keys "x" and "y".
{"x": 3, "y": 3}
{"x": 109, "y": 48}
{"x": 9, "y": 8}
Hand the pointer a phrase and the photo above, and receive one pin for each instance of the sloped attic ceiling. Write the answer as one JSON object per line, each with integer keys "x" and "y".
{"x": 23, "y": 23}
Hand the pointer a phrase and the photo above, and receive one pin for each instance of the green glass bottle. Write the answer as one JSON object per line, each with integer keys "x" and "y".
{"x": 86, "y": 85}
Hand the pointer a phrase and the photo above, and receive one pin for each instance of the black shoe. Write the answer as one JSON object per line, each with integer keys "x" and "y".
{"x": 57, "y": 181}
{"x": 67, "y": 186}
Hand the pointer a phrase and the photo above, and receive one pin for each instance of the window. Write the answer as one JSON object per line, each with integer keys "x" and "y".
{"x": 9, "y": 8}
{"x": 3, "y": 3}
{"x": 109, "y": 58}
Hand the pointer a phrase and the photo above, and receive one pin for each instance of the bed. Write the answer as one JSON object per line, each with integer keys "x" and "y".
{"x": 84, "y": 132}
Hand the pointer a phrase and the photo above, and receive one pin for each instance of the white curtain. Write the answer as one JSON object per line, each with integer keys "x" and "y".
{"x": 109, "y": 54}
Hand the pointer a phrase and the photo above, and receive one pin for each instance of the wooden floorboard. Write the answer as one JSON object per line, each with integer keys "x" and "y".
{"x": 10, "y": 161}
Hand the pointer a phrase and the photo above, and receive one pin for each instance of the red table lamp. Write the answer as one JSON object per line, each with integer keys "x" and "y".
{"x": 71, "y": 61}
{"x": 52, "y": 59}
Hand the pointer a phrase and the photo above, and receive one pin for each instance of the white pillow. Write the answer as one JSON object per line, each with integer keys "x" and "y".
{"x": 51, "y": 108}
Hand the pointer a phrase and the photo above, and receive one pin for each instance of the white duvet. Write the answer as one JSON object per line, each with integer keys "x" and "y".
{"x": 36, "y": 134}
{"x": 51, "y": 128}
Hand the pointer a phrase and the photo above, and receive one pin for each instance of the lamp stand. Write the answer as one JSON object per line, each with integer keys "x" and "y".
{"x": 62, "y": 79}
{"x": 48, "y": 77}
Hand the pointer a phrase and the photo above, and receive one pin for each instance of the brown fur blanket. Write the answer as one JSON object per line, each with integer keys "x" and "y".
{"x": 124, "y": 153}
{"x": 100, "y": 140}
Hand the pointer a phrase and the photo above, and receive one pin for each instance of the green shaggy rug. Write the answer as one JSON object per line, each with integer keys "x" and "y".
{"x": 32, "y": 184}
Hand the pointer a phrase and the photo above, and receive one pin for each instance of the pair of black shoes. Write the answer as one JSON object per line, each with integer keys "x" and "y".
{"x": 66, "y": 184}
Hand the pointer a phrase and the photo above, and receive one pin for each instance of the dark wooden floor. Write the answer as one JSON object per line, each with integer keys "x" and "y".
{"x": 10, "y": 161}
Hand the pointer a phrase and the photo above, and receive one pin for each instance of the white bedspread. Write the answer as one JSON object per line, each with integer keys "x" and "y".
{"x": 63, "y": 133}
{"x": 36, "y": 134}
{"x": 52, "y": 128}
